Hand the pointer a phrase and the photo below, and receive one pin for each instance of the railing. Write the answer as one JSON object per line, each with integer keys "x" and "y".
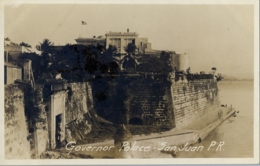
{"x": 199, "y": 76}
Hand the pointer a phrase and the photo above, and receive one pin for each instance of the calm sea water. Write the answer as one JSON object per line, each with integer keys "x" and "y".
{"x": 236, "y": 132}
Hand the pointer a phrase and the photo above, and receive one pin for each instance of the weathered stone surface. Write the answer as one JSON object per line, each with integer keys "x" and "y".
{"x": 76, "y": 102}
{"x": 202, "y": 96}
{"x": 16, "y": 129}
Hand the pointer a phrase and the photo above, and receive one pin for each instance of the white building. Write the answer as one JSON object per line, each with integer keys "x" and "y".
{"x": 122, "y": 39}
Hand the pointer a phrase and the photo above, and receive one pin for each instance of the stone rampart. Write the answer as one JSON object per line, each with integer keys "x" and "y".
{"x": 192, "y": 99}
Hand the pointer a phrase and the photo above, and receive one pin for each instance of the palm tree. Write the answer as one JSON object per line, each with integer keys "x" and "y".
{"x": 109, "y": 60}
{"x": 109, "y": 54}
{"x": 130, "y": 49}
{"x": 25, "y": 45}
{"x": 45, "y": 48}
{"x": 129, "y": 61}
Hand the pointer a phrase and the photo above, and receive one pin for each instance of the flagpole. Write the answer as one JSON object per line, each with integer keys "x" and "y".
{"x": 83, "y": 23}
{"x": 81, "y": 30}
{"x": 94, "y": 31}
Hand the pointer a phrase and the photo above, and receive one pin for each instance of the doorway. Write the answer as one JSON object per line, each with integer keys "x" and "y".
{"x": 58, "y": 131}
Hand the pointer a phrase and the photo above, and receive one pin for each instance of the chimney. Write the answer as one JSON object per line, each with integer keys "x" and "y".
{"x": 127, "y": 29}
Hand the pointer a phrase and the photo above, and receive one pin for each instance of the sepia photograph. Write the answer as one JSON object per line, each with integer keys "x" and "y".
{"x": 104, "y": 81}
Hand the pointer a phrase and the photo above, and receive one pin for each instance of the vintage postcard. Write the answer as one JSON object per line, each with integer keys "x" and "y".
{"x": 130, "y": 82}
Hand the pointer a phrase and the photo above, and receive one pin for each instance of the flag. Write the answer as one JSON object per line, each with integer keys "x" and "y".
{"x": 83, "y": 23}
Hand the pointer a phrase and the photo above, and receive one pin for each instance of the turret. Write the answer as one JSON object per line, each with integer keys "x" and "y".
{"x": 180, "y": 64}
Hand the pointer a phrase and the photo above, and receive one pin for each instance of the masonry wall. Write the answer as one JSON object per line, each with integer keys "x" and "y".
{"x": 152, "y": 103}
{"x": 192, "y": 99}
{"x": 16, "y": 130}
{"x": 41, "y": 140}
{"x": 76, "y": 103}
{"x": 137, "y": 100}
{"x": 30, "y": 117}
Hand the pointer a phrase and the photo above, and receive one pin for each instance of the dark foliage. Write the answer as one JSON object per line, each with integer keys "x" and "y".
{"x": 25, "y": 45}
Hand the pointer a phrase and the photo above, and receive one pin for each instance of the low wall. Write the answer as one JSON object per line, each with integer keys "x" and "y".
{"x": 154, "y": 146}
{"x": 167, "y": 144}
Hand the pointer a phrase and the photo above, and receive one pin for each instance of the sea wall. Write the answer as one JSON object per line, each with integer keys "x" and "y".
{"x": 168, "y": 144}
{"x": 192, "y": 99}
{"x": 150, "y": 103}
{"x": 16, "y": 129}
{"x": 154, "y": 100}
{"x": 135, "y": 99}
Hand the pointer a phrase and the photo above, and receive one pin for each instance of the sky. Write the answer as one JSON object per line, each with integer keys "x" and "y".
{"x": 220, "y": 36}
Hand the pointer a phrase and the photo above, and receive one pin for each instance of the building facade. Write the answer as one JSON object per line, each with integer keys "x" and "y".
{"x": 120, "y": 40}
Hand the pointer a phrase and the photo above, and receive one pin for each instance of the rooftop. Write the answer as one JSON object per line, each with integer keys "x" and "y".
{"x": 121, "y": 33}
{"x": 89, "y": 39}
{"x": 11, "y": 65}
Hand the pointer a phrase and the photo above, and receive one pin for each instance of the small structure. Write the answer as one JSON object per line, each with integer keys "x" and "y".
{"x": 180, "y": 61}
{"x": 14, "y": 67}
{"x": 12, "y": 73}
{"x": 180, "y": 64}
{"x": 55, "y": 94}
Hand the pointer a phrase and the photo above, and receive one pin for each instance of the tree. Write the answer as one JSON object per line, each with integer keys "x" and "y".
{"x": 109, "y": 54}
{"x": 46, "y": 52}
{"x": 165, "y": 57}
{"x": 130, "y": 49}
{"x": 36, "y": 66}
{"x": 25, "y": 45}
{"x": 109, "y": 62}
{"x": 45, "y": 46}
{"x": 129, "y": 61}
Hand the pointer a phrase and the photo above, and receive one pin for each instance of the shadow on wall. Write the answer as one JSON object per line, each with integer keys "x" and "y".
{"x": 136, "y": 121}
